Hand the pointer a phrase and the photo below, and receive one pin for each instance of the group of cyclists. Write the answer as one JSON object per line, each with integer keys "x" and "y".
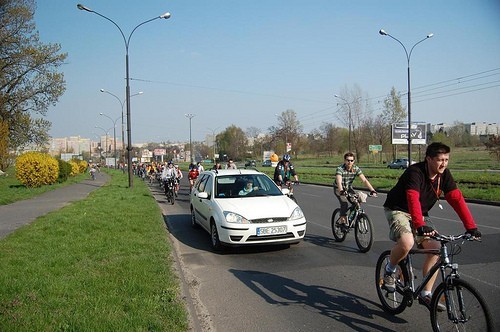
{"x": 161, "y": 173}
{"x": 406, "y": 206}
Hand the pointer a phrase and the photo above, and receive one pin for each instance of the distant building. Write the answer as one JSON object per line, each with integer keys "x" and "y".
{"x": 483, "y": 128}
{"x": 474, "y": 128}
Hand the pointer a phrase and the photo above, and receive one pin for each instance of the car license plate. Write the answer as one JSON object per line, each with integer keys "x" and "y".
{"x": 273, "y": 230}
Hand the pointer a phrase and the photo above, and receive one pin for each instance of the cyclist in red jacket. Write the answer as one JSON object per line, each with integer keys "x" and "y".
{"x": 407, "y": 206}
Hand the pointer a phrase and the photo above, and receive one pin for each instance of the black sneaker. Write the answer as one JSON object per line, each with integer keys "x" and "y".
{"x": 426, "y": 300}
{"x": 389, "y": 281}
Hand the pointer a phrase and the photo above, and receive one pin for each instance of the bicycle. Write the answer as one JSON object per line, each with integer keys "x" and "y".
{"x": 289, "y": 185}
{"x": 169, "y": 190}
{"x": 357, "y": 219}
{"x": 466, "y": 309}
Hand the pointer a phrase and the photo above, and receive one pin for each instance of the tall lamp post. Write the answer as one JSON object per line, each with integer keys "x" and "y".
{"x": 408, "y": 56}
{"x": 122, "y": 104}
{"x": 350, "y": 115}
{"x": 127, "y": 88}
{"x": 213, "y": 139}
{"x": 114, "y": 133}
{"x": 190, "y": 116}
{"x": 106, "y": 132}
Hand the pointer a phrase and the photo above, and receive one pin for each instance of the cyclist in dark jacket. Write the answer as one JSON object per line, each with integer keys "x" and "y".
{"x": 284, "y": 171}
{"x": 407, "y": 206}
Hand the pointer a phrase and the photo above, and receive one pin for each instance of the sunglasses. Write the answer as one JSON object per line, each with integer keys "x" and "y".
{"x": 350, "y": 160}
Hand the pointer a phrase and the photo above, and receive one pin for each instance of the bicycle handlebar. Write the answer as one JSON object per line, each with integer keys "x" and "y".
{"x": 452, "y": 238}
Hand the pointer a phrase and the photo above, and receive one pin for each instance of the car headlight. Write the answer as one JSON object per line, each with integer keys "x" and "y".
{"x": 296, "y": 214}
{"x": 235, "y": 218}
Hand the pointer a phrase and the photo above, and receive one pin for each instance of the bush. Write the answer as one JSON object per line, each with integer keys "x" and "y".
{"x": 82, "y": 165}
{"x": 34, "y": 169}
{"x": 64, "y": 171}
{"x": 75, "y": 169}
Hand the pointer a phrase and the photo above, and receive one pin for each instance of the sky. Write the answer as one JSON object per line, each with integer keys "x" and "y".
{"x": 235, "y": 62}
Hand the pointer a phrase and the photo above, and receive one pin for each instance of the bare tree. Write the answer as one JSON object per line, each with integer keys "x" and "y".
{"x": 289, "y": 130}
{"x": 354, "y": 112}
{"x": 393, "y": 112}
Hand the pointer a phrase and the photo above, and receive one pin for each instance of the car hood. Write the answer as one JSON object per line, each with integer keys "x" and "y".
{"x": 259, "y": 207}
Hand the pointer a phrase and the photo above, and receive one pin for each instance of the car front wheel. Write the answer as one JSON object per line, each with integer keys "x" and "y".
{"x": 216, "y": 244}
{"x": 194, "y": 224}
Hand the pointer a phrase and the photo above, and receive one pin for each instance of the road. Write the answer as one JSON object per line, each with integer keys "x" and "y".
{"x": 319, "y": 284}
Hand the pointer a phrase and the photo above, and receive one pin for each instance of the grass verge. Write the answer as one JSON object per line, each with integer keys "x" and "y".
{"x": 100, "y": 264}
{"x": 11, "y": 190}
{"x": 481, "y": 185}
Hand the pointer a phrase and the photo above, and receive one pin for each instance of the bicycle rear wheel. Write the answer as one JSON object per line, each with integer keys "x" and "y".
{"x": 363, "y": 233}
{"x": 393, "y": 303}
{"x": 467, "y": 308}
{"x": 338, "y": 232}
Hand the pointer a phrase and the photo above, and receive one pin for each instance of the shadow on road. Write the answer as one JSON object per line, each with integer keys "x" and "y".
{"x": 344, "y": 307}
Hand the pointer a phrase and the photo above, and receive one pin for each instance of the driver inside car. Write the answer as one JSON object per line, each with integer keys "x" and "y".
{"x": 248, "y": 188}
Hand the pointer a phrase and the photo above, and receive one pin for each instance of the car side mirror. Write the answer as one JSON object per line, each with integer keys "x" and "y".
{"x": 203, "y": 195}
{"x": 285, "y": 191}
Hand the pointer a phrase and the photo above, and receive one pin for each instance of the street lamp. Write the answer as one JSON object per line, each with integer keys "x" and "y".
{"x": 350, "y": 117}
{"x": 408, "y": 56}
{"x": 127, "y": 88}
{"x": 213, "y": 139}
{"x": 114, "y": 133}
{"x": 190, "y": 116}
{"x": 106, "y": 132}
{"x": 122, "y": 104}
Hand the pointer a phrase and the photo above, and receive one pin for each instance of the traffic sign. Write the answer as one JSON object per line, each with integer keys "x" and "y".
{"x": 375, "y": 148}
{"x": 400, "y": 133}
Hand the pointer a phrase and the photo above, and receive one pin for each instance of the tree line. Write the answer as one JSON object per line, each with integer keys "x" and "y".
{"x": 354, "y": 111}
{"x": 30, "y": 80}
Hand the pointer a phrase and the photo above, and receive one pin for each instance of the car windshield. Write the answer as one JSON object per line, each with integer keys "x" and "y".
{"x": 245, "y": 185}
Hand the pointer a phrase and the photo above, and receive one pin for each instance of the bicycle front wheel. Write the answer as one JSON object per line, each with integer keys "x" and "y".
{"x": 172, "y": 196}
{"x": 363, "y": 233}
{"x": 466, "y": 308}
{"x": 393, "y": 303}
{"x": 338, "y": 232}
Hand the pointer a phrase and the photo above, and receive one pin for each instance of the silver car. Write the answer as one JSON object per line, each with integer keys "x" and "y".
{"x": 401, "y": 163}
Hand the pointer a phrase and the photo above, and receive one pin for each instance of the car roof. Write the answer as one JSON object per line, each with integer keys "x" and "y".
{"x": 221, "y": 172}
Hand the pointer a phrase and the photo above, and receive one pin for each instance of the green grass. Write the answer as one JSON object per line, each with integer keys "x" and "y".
{"x": 483, "y": 185}
{"x": 11, "y": 190}
{"x": 100, "y": 264}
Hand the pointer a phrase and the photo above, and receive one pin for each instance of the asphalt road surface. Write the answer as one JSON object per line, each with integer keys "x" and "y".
{"x": 319, "y": 284}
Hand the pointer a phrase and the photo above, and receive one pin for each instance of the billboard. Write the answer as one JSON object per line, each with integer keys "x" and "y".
{"x": 160, "y": 152}
{"x": 400, "y": 133}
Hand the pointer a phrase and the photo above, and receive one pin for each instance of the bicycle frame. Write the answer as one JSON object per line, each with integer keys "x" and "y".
{"x": 355, "y": 209}
{"x": 407, "y": 262}
{"x": 442, "y": 265}
{"x": 463, "y": 303}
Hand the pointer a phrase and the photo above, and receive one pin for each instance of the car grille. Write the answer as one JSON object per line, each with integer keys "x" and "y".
{"x": 268, "y": 220}
{"x": 270, "y": 237}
